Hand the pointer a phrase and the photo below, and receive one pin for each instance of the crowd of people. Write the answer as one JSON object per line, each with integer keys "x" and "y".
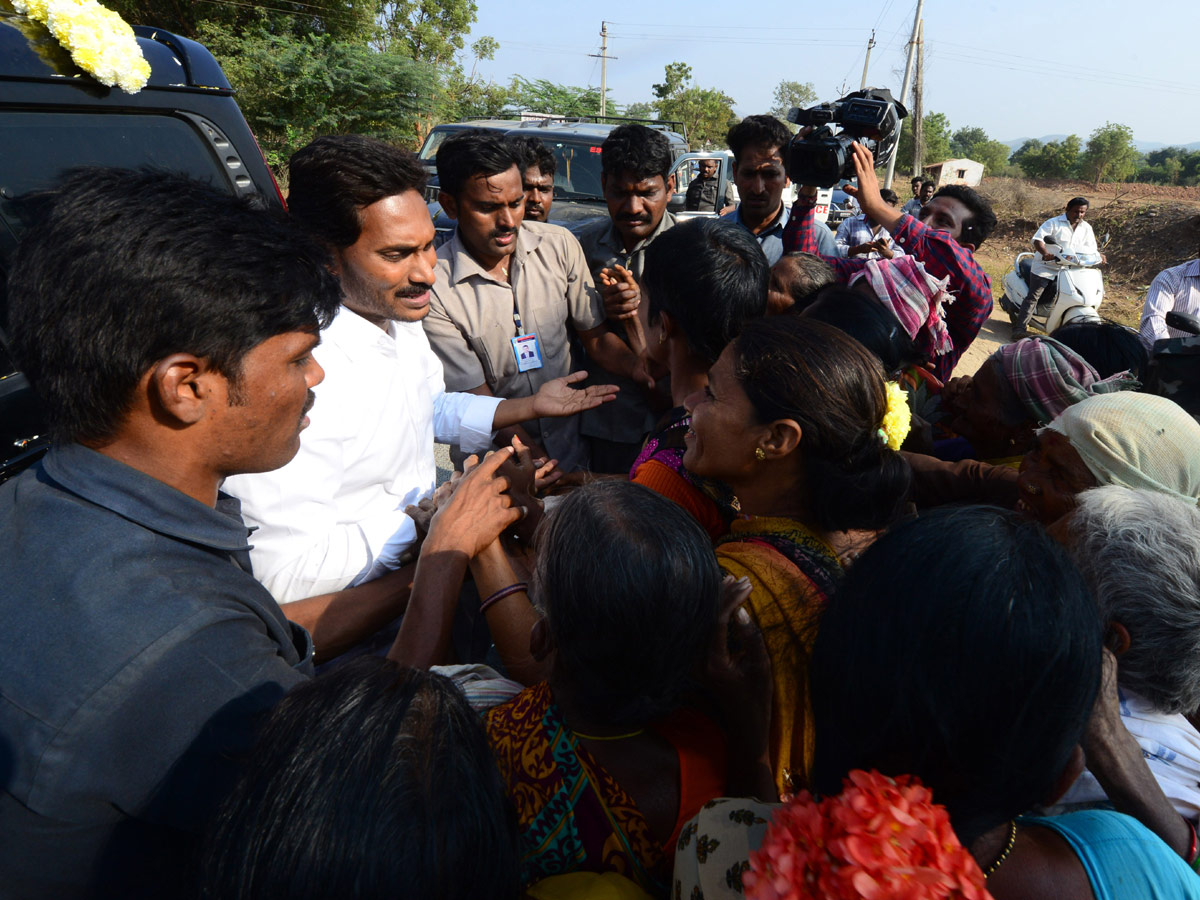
{"x": 734, "y": 551}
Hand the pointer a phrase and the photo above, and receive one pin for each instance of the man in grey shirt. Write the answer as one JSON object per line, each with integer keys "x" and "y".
{"x": 508, "y": 294}
{"x": 635, "y": 164}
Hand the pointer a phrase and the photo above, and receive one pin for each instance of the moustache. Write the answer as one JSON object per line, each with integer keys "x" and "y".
{"x": 502, "y": 232}
{"x": 414, "y": 290}
{"x": 635, "y": 220}
{"x": 308, "y": 404}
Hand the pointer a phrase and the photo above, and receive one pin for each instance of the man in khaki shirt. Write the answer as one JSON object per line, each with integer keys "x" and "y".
{"x": 635, "y": 165}
{"x": 509, "y": 293}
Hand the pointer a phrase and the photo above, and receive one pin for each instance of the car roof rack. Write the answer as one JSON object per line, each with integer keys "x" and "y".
{"x": 547, "y": 120}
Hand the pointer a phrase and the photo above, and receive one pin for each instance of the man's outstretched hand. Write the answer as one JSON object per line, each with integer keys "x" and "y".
{"x": 558, "y": 398}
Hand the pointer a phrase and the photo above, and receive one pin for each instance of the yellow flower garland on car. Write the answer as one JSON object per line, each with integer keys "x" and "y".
{"x": 99, "y": 41}
{"x": 897, "y": 421}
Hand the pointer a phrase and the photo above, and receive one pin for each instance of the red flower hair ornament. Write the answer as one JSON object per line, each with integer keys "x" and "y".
{"x": 879, "y": 839}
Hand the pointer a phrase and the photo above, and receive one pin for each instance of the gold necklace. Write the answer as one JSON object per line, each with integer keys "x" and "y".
{"x": 1008, "y": 846}
{"x": 607, "y": 737}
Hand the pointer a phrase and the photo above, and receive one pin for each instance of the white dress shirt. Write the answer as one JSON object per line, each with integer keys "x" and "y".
{"x": 334, "y": 516}
{"x": 1173, "y": 289}
{"x": 1079, "y": 239}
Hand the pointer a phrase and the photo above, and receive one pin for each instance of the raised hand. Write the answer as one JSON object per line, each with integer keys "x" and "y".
{"x": 620, "y": 293}
{"x": 558, "y": 398}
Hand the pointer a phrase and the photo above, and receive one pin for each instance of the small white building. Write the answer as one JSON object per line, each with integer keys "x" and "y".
{"x": 955, "y": 171}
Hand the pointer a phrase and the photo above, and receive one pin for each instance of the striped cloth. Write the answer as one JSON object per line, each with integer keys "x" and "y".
{"x": 915, "y": 297}
{"x": 1048, "y": 377}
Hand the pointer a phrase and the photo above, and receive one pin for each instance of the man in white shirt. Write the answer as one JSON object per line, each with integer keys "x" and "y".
{"x": 334, "y": 518}
{"x": 1176, "y": 289}
{"x": 1072, "y": 235}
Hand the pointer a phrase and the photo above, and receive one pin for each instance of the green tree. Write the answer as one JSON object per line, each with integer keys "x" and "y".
{"x": 293, "y": 88}
{"x": 1055, "y": 159}
{"x": 641, "y": 110}
{"x": 965, "y": 140}
{"x": 560, "y": 99}
{"x": 792, "y": 93}
{"x": 937, "y": 141}
{"x": 993, "y": 155}
{"x": 706, "y": 112}
{"x": 341, "y": 19}
{"x": 1111, "y": 154}
{"x": 426, "y": 30}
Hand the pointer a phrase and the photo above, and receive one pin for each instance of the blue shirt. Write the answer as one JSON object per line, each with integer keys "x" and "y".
{"x": 771, "y": 239}
{"x": 857, "y": 230}
{"x": 1122, "y": 857}
{"x": 136, "y": 656}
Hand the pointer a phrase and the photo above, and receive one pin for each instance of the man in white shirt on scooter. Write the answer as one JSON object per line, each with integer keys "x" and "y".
{"x": 1071, "y": 234}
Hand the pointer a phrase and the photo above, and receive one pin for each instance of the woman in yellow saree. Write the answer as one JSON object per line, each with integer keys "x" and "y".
{"x": 798, "y": 421}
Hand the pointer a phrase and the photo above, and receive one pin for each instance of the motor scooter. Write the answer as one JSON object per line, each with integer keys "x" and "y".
{"x": 1074, "y": 296}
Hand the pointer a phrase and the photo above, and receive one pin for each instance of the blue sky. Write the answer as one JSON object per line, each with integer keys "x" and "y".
{"x": 1016, "y": 69}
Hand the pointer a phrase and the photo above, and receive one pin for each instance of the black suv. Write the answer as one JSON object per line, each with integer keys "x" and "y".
{"x": 53, "y": 117}
{"x": 575, "y": 143}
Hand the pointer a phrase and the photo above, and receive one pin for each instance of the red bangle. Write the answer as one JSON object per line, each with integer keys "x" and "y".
{"x": 522, "y": 586}
{"x": 1192, "y": 855}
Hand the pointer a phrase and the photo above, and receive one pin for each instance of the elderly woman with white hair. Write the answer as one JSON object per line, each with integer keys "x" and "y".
{"x": 1139, "y": 551}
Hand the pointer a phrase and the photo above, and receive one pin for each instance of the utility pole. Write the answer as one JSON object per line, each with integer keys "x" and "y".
{"x": 903, "y": 98}
{"x": 867, "y": 61}
{"x": 918, "y": 107}
{"x": 604, "y": 58}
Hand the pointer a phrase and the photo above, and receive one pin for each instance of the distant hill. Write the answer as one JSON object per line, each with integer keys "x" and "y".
{"x": 1143, "y": 146}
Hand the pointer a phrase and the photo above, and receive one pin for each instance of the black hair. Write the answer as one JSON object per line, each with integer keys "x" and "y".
{"x": 370, "y": 781}
{"x": 792, "y": 367}
{"x": 917, "y": 179}
{"x": 120, "y": 269}
{"x": 810, "y": 275}
{"x": 332, "y": 179}
{"x": 1109, "y": 347}
{"x": 962, "y": 648}
{"x": 926, "y": 181}
{"x": 869, "y": 322}
{"x": 889, "y": 196}
{"x": 625, "y": 574}
{"x": 635, "y": 150}
{"x": 709, "y": 275}
{"x": 757, "y": 131}
{"x": 464, "y": 155}
{"x": 1077, "y": 201}
{"x": 982, "y": 222}
{"x": 530, "y": 151}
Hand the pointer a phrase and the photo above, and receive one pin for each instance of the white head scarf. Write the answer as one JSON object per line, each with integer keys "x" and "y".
{"x": 1136, "y": 440}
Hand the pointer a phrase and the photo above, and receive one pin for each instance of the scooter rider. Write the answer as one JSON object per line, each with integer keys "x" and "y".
{"x": 1070, "y": 233}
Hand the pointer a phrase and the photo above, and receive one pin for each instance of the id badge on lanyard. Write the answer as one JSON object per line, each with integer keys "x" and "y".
{"x": 525, "y": 346}
{"x": 527, "y": 351}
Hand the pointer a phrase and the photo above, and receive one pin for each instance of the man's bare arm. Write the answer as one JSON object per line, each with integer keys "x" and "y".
{"x": 339, "y": 620}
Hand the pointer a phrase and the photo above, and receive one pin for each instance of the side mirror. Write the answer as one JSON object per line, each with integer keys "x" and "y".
{"x": 1183, "y": 322}
{"x": 1050, "y": 240}
{"x": 1107, "y": 238}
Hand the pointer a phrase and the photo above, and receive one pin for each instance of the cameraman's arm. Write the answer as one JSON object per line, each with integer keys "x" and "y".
{"x": 867, "y": 192}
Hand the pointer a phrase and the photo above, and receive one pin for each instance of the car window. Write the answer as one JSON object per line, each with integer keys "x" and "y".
{"x": 578, "y": 174}
{"x": 36, "y": 148}
{"x": 436, "y": 138}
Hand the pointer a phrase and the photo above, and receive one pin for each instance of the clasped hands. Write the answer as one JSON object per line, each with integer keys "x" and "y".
{"x": 489, "y": 498}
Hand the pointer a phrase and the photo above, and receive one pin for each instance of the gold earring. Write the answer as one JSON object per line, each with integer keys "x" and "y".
{"x": 760, "y": 454}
